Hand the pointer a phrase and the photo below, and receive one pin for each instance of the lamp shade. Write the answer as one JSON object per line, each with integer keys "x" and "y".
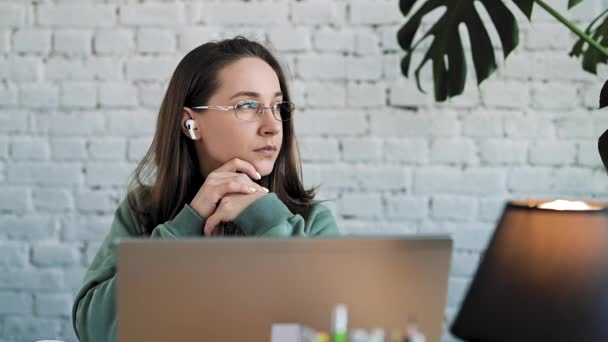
{"x": 543, "y": 277}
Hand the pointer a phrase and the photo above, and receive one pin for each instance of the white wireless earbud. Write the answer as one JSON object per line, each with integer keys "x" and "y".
{"x": 191, "y": 125}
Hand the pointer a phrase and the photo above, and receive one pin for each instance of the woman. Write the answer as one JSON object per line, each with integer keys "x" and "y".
{"x": 223, "y": 161}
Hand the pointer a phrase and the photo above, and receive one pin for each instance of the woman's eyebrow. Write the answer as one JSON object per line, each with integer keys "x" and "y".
{"x": 253, "y": 94}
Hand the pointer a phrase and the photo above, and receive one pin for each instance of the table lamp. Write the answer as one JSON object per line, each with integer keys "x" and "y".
{"x": 543, "y": 277}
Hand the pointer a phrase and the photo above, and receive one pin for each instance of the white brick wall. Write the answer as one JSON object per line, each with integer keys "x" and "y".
{"x": 68, "y": 148}
{"x": 23, "y": 69}
{"x": 363, "y": 68}
{"x": 30, "y": 148}
{"x": 53, "y": 304}
{"x": 107, "y": 149}
{"x": 587, "y": 154}
{"x": 93, "y": 68}
{"x": 107, "y": 174}
{"x": 32, "y": 41}
{"x": 32, "y": 330}
{"x": 505, "y": 94}
{"x": 46, "y": 255}
{"x": 575, "y": 125}
{"x": 3, "y": 147}
{"x": 54, "y": 200}
{"x": 14, "y": 254}
{"x": 549, "y": 37}
{"x": 152, "y": 14}
{"x": 319, "y": 149}
{"x": 366, "y": 95}
{"x": 333, "y": 40}
{"x": 286, "y": 39}
{"x": 155, "y": 41}
{"x": 137, "y": 148}
{"x": 321, "y": 67}
{"x": 39, "y": 96}
{"x": 78, "y": 95}
{"x": 543, "y": 68}
{"x": 374, "y": 12}
{"x": 403, "y": 207}
{"x": 452, "y": 151}
{"x": 552, "y": 153}
{"x": 333, "y": 122}
{"x": 413, "y": 151}
{"x": 456, "y": 208}
{"x": 117, "y": 94}
{"x": 358, "y": 149}
{"x": 9, "y": 96}
{"x": 326, "y": 94}
{"x": 361, "y": 206}
{"x": 501, "y": 151}
{"x": 555, "y": 96}
{"x": 367, "y": 42}
{"x": 253, "y": 13}
{"x": 12, "y": 15}
{"x": 76, "y": 77}
{"x": 149, "y": 68}
{"x": 114, "y": 41}
{"x": 70, "y": 124}
{"x": 15, "y": 303}
{"x": 92, "y": 201}
{"x": 44, "y": 173}
{"x": 72, "y": 15}
{"x": 318, "y": 12}
{"x": 72, "y": 42}
{"x": 484, "y": 124}
{"x": 13, "y": 121}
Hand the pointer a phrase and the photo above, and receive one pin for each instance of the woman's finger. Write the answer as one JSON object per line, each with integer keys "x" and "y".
{"x": 240, "y": 165}
{"x": 236, "y": 185}
{"x": 212, "y": 223}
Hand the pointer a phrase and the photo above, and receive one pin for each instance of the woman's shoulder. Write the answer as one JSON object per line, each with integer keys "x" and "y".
{"x": 318, "y": 209}
{"x": 321, "y": 220}
{"x": 135, "y": 196}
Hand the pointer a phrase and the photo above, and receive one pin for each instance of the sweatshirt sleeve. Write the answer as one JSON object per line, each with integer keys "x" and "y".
{"x": 94, "y": 309}
{"x": 269, "y": 217}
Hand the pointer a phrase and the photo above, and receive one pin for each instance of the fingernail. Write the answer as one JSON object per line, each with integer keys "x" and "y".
{"x": 259, "y": 175}
{"x": 265, "y": 189}
{"x": 252, "y": 189}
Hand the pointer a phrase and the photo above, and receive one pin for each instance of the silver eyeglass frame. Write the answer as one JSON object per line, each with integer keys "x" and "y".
{"x": 259, "y": 112}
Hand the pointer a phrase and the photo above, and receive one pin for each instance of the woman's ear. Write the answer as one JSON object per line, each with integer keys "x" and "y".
{"x": 189, "y": 126}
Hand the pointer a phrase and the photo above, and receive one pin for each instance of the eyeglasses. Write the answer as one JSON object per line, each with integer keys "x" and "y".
{"x": 251, "y": 110}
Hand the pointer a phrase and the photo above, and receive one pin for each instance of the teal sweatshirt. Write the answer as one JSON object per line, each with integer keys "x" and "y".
{"x": 94, "y": 309}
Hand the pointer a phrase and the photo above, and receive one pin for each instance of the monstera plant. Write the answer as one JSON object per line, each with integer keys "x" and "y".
{"x": 446, "y": 51}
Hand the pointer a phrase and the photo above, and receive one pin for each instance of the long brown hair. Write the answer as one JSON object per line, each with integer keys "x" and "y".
{"x": 168, "y": 176}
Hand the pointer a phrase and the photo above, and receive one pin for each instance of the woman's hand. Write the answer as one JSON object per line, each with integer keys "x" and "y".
{"x": 223, "y": 181}
{"x": 230, "y": 207}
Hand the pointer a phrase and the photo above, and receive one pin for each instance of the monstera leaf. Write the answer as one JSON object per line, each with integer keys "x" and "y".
{"x": 446, "y": 51}
{"x": 593, "y": 56}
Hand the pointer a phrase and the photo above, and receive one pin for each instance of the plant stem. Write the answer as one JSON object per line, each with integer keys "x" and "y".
{"x": 572, "y": 27}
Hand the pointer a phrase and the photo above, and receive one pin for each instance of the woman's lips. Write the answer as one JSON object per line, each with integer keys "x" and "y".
{"x": 267, "y": 150}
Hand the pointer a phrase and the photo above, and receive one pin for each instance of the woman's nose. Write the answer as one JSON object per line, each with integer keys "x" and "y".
{"x": 269, "y": 125}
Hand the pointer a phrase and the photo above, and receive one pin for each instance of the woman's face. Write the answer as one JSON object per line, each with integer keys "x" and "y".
{"x": 222, "y": 137}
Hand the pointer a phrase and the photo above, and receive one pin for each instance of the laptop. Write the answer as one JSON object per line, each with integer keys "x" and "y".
{"x": 235, "y": 289}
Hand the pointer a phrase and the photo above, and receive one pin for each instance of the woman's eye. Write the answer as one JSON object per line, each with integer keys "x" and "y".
{"x": 249, "y": 105}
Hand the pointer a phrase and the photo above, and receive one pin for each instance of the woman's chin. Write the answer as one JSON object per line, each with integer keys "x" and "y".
{"x": 264, "y": 167}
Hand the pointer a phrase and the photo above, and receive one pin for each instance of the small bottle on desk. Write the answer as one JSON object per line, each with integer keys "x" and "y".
{"x": 340, "y": 323}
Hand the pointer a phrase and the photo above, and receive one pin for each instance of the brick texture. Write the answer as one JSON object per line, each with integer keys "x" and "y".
{"x": 81, "y": 83}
